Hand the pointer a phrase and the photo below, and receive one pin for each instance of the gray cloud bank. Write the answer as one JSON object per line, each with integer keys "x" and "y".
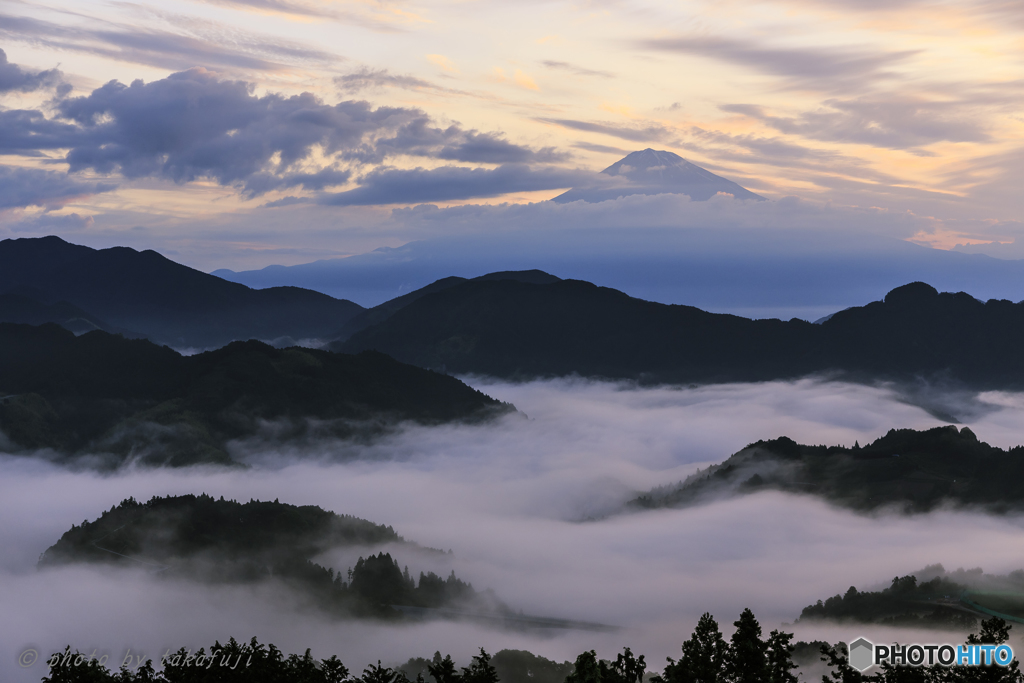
{"x": 14, "y": 78}
{"x": 196, "y": 125}
{"x": 506, "y": 500}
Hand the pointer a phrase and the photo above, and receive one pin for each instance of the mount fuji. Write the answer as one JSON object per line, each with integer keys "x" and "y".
{"x": 653, "y": 171}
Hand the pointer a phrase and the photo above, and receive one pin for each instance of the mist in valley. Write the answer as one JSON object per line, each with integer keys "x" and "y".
{"x": 529, "y": 507}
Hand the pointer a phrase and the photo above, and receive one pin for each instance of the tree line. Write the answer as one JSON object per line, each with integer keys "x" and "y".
{"x": 747, "y": 657}
{"x": 901, "y": 604}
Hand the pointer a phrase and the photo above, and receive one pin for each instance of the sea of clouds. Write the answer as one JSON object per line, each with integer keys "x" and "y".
{"x": 529, "y": 506}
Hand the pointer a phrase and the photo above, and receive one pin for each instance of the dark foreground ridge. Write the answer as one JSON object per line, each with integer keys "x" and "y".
{"x": 130, "y": 399}
{"x": 522, "y": 330}
{"x": 915, "y": 471}
{"x": 124, "y": 290}
{"x": 223, "y": 541}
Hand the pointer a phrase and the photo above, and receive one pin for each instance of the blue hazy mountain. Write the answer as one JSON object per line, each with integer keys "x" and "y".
{"x": 779, "y": 273}
{"x": 652, "y": 171}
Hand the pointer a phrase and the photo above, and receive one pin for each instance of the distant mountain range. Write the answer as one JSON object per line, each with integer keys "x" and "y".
{"x": 116, "y": 400}
{"x": 145, "y": 294}
{"x": 658, "y": 172}
{"x": 519, "y": 330}
{"x": 755, "y": 258}
{"x": 770, "y": 273}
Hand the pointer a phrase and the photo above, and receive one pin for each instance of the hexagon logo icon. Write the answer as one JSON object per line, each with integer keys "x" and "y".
{"x": 862, "y": 654}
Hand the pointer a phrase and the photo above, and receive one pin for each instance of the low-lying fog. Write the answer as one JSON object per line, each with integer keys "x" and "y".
{"x": 511, "y": 500}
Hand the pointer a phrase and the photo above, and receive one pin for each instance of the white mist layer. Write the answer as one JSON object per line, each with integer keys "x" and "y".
{"x": 507, "y": 499}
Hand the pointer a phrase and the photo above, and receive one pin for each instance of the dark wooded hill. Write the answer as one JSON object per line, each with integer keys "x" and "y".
{"x": 516, "y": 329}
{"x": 224, "y": 541}
{"x": 22, "y": 308}
{"x": 906, "y": 469}
{"x": 166, "y": 301}
{"x": 378, "y": 314}
{"x": 931, "y": 597}
{"x": 129, "y": 398}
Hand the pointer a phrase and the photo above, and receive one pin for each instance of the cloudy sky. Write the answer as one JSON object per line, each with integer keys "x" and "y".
{"x": 240, "y": 133}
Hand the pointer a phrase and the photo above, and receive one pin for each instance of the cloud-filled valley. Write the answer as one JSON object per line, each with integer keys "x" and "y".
{"x": 512, "y": 501}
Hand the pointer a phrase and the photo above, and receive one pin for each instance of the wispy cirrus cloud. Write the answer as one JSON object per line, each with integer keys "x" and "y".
{"x": 827, "y": 69}
{"x": 867, "y": 5}
{"x": 602, "y": 149}
{"x": 649, "y": 132}
{"x": 378, "y": 18}
{"x": 895, "y": 122}
{"x": 281, "y": 6}
{"x": 990, "y": 9}
{"x": 576, "y": 70}
{"x": 193, "y": 45}
{"x": 396, "y": 186}
{"x": 378, "y": 79}
{"x": 791, "y": 163}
